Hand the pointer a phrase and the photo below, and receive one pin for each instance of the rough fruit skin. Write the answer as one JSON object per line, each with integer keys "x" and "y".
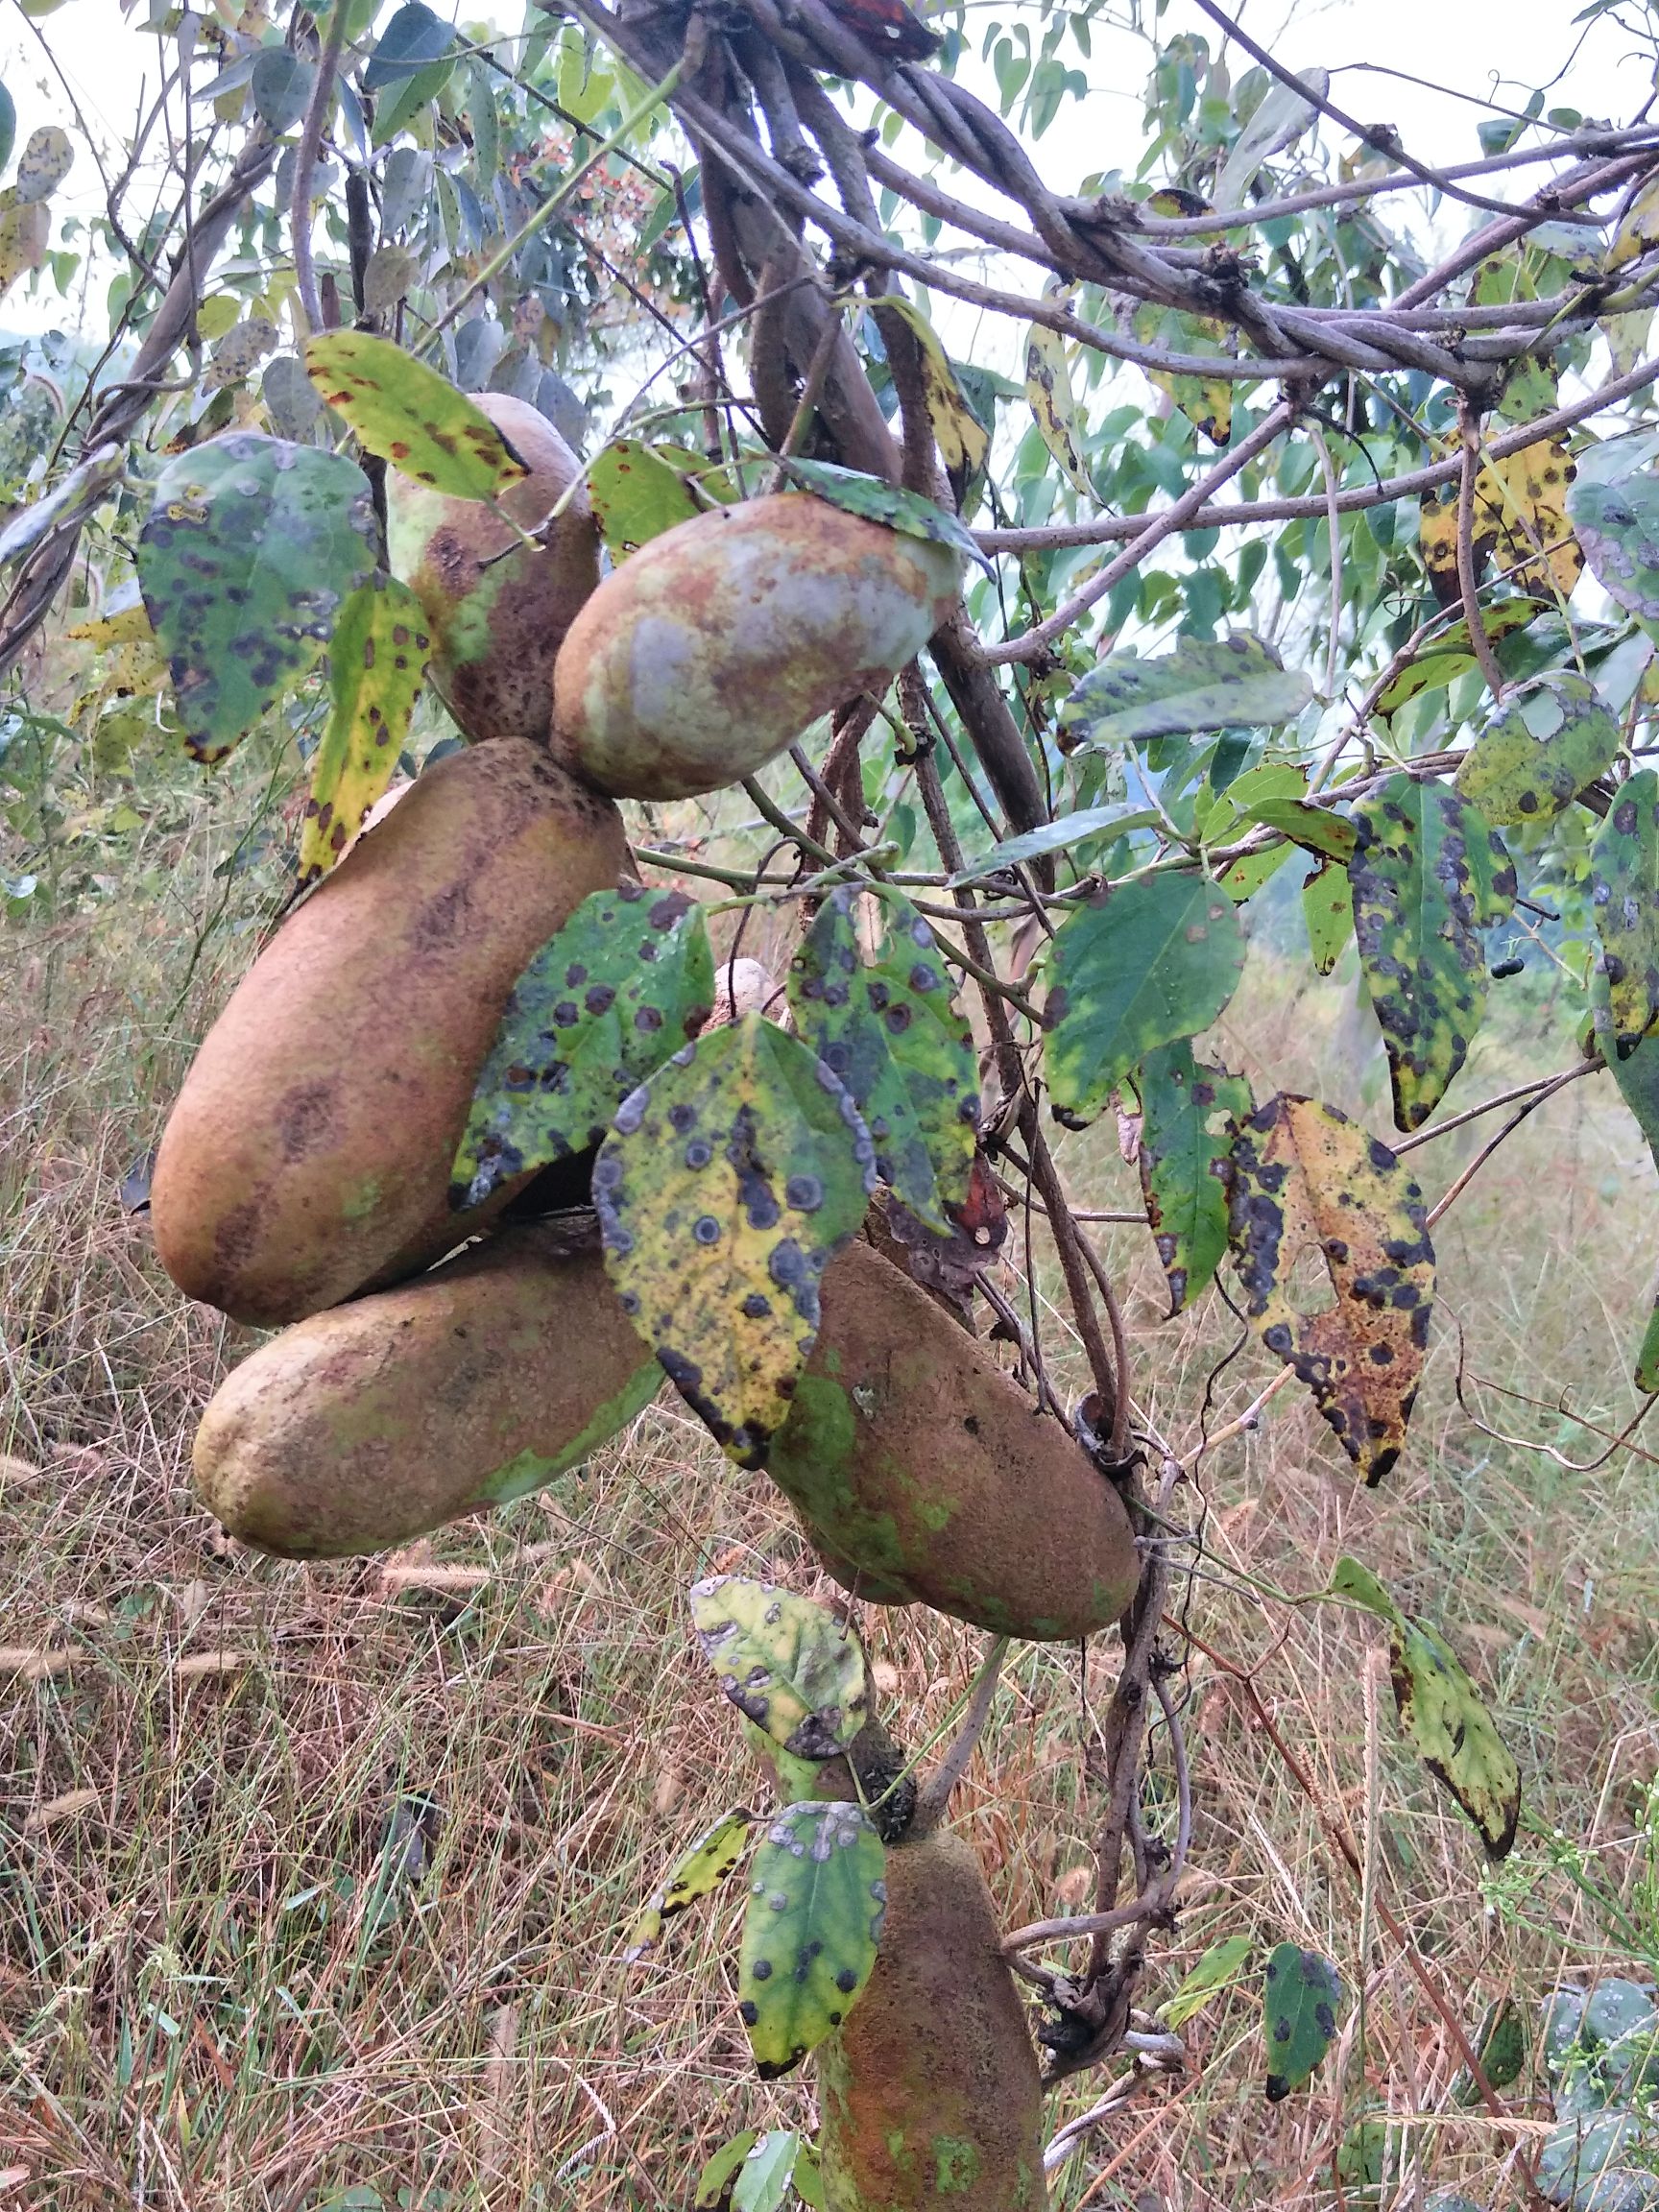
{"x": 717, "y": 644}
{"x": 930, "y": 2092}
{"x": 309, "y": 1151}
{"x": 498, "y": 611}
{"x": 912, "y": 1457}
{"x": 366, "y": 1425}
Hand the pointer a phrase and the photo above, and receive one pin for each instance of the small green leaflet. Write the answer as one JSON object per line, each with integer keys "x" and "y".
{"x": 1180, "y": 1156}
{"x": 785, "y": 1662}
{"x": 1328, "y": 909}
{"x": 626, "y": 980}
{"x": 729, "y": 1182}
{"x": 1316, "y": 829}
{"x": 1299, "y": 2008}
{"x": 1054, "y": 407}
{"x": 412, "y": 417}
{"x": 1155, "y": 959}
{"x": 905, "y": 512}
{"x": 1428, "y": 876}
{"x": 250, "y": 550}
{"x": 1503, "y": 2046}
{"x": 377, "y": 665}
{"x": 1624, "y": 899}
{"x": 698, "y": 1871}
{"x": 1614, "y": 505}
{"x": 1203, "y": 685}
{"x": 1057, "y": 837}
{"x": 1219, "y": 1968}
{"x": 1647, "y": 1370}
{"x": 817, "y": 1893}
{"x": 1442, "y": 1714}
{"x": 755, "y": 2173}
{"x": 1449, "y": 656}
{"x": 891, "y": 1032}
{"x": 1541, "y": 745}
{"x": 637, "y": 495}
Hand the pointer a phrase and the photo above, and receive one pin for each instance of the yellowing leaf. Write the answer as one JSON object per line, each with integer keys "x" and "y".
{"x": 1520, "y": 520}
{"x": 1048, "y": 389}
{"x": 412, "y": 417}
{"x": 25, "y": 229}
{"x": 378, "y": 664}
{"x": 1638, "y": 226}
{"x": 1206, "y": 401}
{"x": 698, "y": 1871}
{"x": 963, "y": 441}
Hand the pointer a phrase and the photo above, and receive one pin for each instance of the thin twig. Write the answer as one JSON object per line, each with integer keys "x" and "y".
{"x": 935, "y": 1795}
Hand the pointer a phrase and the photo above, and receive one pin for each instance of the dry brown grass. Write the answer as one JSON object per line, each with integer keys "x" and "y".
{"x": 316, "y": 1880}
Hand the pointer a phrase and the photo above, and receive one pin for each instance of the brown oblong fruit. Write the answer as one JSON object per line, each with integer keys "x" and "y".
{"x": 369, "y": 1424}
{"x": 498, "y": 608}
{"x": 929, "y": 2091}
{"x": 918, "y": 1465}
{"x": 717, "y": 644}
{"x": 308, "y": 1153}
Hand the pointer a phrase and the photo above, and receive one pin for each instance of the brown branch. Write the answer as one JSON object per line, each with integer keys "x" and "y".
{"x": 300, "y": 209}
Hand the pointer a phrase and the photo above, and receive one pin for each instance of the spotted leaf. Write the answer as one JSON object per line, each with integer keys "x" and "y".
{"x": 43, "y": 164}
{"x": 1303, "y": 1180}
{"x": 964, "y": 443}
{"x": 1155, "y": 959}
{"x": 1520, "y": 520}
{"x": 878, "y": 501}
{"x": 626, "y": 980}
{"x": 1188, "y": 1113}
{"x": 697, "y": 1872}
{"x": 785, "y": 1662}
{"x": 1328, "y": 909}
{"x": 25, "y": 233}
{"x": 637, "y": 495}
{"x": 376, "y": 664}
{"x": 1624, "y": 899}
{"x": 729, "y": 1181}
{"x": 412, "y": 417}
{"x": 1206, "y": 401}
{"x": 1428, "y": 877}
{"x": 1054, "y": 406}
{"x": 1539, "y": 748}
{"x": 1615, "y": 508}
{"x": 1299, "y": 2012}
{"x": 891, "y": 1031}
{"x": 817, "y": 1893}
{"x": 1205, "y": 684}
{"x": 1441, "y": 665}
{"x": 250, "y": 549}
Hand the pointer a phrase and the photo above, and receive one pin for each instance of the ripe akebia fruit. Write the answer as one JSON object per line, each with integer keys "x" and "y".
{"x": 717, "y": 644}
{"x": 498, "y": 607}
{"x": 366, "y": 1425}
{"x": 922, "y": 1472}
{"x": 929, "y": 2091}
{"x": 309, "y": 1154}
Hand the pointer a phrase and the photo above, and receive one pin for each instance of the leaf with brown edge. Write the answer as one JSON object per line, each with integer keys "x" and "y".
{"x": 376, "y": 664}
{"x": 1519, "y": 519}
{"x": 412, "y": 417}
{"x": 1301, "y": 1178}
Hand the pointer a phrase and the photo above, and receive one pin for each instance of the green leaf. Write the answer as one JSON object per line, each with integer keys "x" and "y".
{"x": 1299, "y": 2009}
{"x": 1647, "y": 1370}
{"x": 1219, "y": 1968}
{"x": 1181, "y": 1156}
{"x": 1054, "y": 408}
{"x": 1428, "y": 876}
{"x": 251, "y": 548}
{"x": 808, "y": 2178}
{"x": 376, "y": 664}
{"x": 1155, "y": 959}
{"x": 714, "y": 2182}
{"x": 1352, "y": 1579}
{"x": 626, "y": 981}
{"x": 1503, "y": 2046}
{"x": 1303, "y": 1181}
{"x": 1443, "y": 1715}
{"x": 905, "y": 512}
{"x": 1328, "y": 909}
{"x": 1614, "y": 503}
{"x": 729, "y": 1181}
{"x": 767, "y": 2172}
{"x": 1624, "y": 899}
{"x": 1541, "y": 745}
{"x": 697, "y": 1872}
{"x": 412, "y": 417}
{"x": 785, "y": 1662}
{"x": 7, "y": 125}
{"x": 816, "y": 1896}
{"x": 1315, "y": 829}
{"x": 892, "y": 1035}
{"x": 281, "y": 88}
{"x": 484, "y": 123}
{"x": 1203, "y": 685}
{"x": 1057, "y": 836}
{"x": 637, "y": 495}
{"x": 413, "y": 40}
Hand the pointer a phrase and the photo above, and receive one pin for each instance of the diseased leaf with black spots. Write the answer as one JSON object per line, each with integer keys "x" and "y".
{"x": 1317, "y": 829}
{"x": 697, "y": 1872}
{"x": 1300, "y": 2006}
{"x": 637, "y": 495}
{"x": 1540, "y": 747}
{"x": 626, "y": 981}
{"x": 251, "y": 548}
{"x": 1302, "y": 1179}
{"x": 964, "y": 443}
{"x": 1054, "y": 406}
{"x": 1328, "y": 908}
{"x": 729, "y": 1182}
{"x": 43, "y": 164}
{"x": 1155, "y": 959}
{"x": 1625, "y": 900}
{"x": 1206, "y": 401}
{"x": 1615, "y": 507}
{"x": 817, "y": 1893}
{"x": 376, "y": 664}
{"x": 412, "y": 417}
{"x": 878, "y": 501}
{"x": 1520, "y": 520}
{"x": 1188, "y": 1112}
{"x": 785, "y": 1662}
{"x": 1442, "y": 1713}
{"x": 1204, "y": 683}
{"x": 891, "y": 1032}
{"x": 1429, "y": 875}
{"x": 713, "y": 2192}
{"x": 1438, "y": 667}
